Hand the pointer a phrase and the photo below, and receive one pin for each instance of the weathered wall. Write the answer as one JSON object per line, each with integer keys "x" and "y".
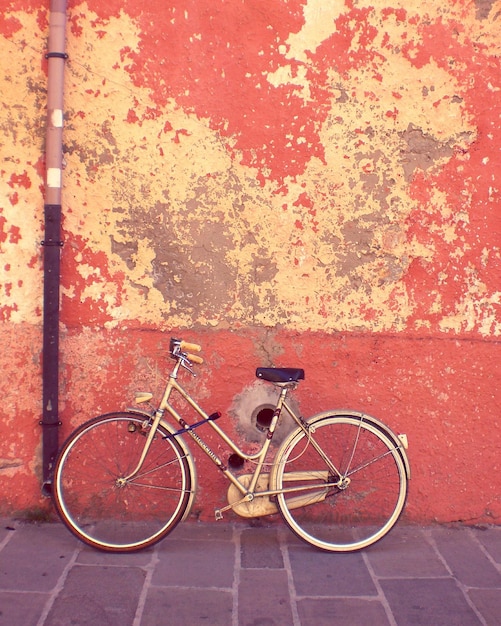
{"x": 300, "y": 183}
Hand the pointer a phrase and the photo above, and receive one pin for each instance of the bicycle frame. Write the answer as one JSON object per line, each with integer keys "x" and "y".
{"x": 248, "y": 492}
{"x": 116, "y": 506}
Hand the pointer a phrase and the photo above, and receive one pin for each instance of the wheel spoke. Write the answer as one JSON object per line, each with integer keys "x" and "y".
{"x": 370, "y": 483}
{"x": 99, "y": 505}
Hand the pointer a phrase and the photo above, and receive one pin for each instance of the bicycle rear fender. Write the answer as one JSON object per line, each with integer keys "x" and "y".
{"x": 400, "y": 441}
{"x": 187, "y": 453}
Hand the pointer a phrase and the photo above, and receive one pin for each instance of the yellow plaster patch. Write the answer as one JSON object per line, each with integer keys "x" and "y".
{"x": 21, "y": 136}
{"x": 318, "y": 25}
{"x": 283, "y": 76}
{"x": 488, "y": 32}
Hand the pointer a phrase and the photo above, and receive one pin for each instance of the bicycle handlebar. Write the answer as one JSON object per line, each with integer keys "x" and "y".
{"x": 190, "y": 347}
{"x": 183, "y": 349}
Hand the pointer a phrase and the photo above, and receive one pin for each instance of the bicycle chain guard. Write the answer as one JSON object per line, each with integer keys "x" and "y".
{"x": 259, "y": 505}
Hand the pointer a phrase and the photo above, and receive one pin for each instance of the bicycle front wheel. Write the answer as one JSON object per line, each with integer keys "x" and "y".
{"x": 98, "y": 499}
{"x": 344, "y": 482}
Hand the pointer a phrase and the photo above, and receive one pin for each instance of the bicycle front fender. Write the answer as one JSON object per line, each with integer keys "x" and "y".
{"x": 187, "y": 453}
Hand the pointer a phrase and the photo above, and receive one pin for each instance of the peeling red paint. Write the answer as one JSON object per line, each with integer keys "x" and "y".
{"x": 20, "y": 180}
{"x": 225, "y": 82}
{"x": 132, "y": 117}
{"x": 483, "y": 216}
{"x": 352, "y": 26}
{"x": 6, "y": 312}
{"x": 90, "y": 310}
{"x": 3, "y": 234}
{"x": 9, "y": 25}
{"x": 14, "y": 234}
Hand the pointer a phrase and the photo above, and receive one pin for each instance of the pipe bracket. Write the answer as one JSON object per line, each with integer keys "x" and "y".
{"x": 52, "y": 243}
{"x": 56, "y": 55}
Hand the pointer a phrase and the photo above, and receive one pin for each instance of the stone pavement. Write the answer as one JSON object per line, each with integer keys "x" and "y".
{"x": 235, "y": 574}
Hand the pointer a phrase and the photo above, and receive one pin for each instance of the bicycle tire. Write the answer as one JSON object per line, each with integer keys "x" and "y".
{"x": 109, "y": 515}
{"x": 370, "y": 494}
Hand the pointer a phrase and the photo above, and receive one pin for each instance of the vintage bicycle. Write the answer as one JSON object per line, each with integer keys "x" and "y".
{"x": 123, "y": 481}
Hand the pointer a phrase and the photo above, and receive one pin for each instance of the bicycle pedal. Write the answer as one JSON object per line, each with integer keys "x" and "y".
{"x": 218, "y": 515}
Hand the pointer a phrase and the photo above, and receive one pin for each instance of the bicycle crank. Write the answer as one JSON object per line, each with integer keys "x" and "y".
{"x": 258, "y": 506}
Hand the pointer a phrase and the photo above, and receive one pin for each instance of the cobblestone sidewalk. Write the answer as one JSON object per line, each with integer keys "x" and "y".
{"x": 224, "y": 574}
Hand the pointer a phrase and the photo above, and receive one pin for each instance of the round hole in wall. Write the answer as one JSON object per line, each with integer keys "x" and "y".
{"x": 235, "y": 461}
{"x": 262, "y": 416}
{"x": 250, "y": 402}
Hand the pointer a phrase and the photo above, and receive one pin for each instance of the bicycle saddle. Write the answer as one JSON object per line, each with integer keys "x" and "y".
{"x": 280, "y": 374}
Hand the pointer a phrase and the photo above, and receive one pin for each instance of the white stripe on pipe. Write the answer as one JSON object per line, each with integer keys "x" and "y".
{"x": 56, "y": 118}
{"x": 54, "y": 177}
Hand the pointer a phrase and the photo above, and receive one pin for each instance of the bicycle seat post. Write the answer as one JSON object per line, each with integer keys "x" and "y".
{"x": 284, "y": 388}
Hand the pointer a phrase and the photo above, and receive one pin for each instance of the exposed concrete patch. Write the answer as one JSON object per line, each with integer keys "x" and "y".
{"x": 422, "y": 151}
{"x": 243, "y": 410}
{"x": 484, "y": 8}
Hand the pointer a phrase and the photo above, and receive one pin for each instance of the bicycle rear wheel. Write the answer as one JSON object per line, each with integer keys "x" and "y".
{"x": 98, "y": 505}
{"x": 347, "y": 482}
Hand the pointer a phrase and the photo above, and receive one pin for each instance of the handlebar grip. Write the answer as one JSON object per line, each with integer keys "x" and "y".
{"x": 192, "y": 347}
{"x": 194, "y": 358}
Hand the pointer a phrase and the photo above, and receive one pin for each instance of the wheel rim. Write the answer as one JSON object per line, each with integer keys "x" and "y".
{"x": 371, "y": 493}
{"x": 96, "y": 501}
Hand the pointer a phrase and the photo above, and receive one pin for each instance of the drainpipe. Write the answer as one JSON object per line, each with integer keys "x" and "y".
{"x": 52, "y": 243}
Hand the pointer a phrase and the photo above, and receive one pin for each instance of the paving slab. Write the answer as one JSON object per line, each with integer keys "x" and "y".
{"x": 437, "y": 602}
{"x": 35, "y": 557}
{"x": 316, "y": 573}
{"x": 341, "y": 612}
{"x": 489, "y": 538}
{"x": 112, "y": 602}
{"x": 89, "y": 556}
{"x": 467, "y": 562}
{"x": 488, "y": 604}
{"x": 21, "y": 608}
{"x": 187, "y": 608}
{"x": 260, "y": 548}
{"x": 264, "y": 598}
{"x": 195, "y": 564}
{"x": 406, "y": 552}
